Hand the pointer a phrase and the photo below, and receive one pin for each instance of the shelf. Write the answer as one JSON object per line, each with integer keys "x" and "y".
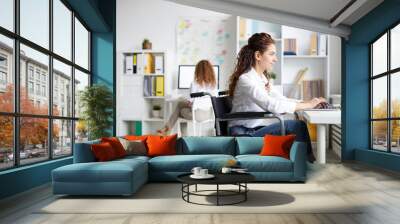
{"x": 142, "y": 51}
{"x": 153, "y": 119}
{"x": 154, "y": 97}
{"x": 143, "y": 74}
{"x": 305, "y": 56}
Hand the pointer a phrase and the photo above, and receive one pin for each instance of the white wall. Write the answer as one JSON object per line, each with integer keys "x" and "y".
{"x": 157, "y": 20}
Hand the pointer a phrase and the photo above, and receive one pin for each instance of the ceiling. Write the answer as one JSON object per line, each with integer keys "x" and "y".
{"x": 314, "y": 15}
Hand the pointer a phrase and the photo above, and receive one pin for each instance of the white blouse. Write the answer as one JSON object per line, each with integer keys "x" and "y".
{"x": 250, "y": 95}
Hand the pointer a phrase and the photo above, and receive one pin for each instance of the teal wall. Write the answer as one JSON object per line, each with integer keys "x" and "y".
{"x": 99, "y": 15}
{"x": 356, "y": 126}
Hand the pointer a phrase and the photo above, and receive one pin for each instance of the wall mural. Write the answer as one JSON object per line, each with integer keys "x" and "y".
{"x": 192, "y": 34}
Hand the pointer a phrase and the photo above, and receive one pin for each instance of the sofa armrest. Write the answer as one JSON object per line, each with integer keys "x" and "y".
{"x": 298, "y": 155}
{"x": 83, "y": 152}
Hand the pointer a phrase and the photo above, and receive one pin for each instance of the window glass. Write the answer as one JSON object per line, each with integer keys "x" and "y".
{"x": 34, "y": 21}
{"x": 379, "y": 56}
{"x": 379, "y": 98}
{"x": 7, "y": 14}
{"x": 81, "y": 82}
{"x": 81, "y": 45}
{"x": 395, "y": 95}
{"x": 39, "y": 62}
{"x": 379, "y": 135}
{"x": 62, "y": 29}
{"x": 6, "y": 142}
{"x": 62, "y": 138}
{"x": 395, "y": 136}
{"x": 33, "y": 139}
{"x": 81, "y": 131}
{"x": 62, "y": 91}
{"x": 6, "y": 74}
{"x": 395, "y": 47}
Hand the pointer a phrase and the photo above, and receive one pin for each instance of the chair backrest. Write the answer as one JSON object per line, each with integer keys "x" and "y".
{"x": 221, "y": 105}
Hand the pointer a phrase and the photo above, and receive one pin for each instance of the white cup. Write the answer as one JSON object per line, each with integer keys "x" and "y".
{"x": 203, "y": 172}
{"x": 196, "y": 171}
{"x": 226, "y": 170}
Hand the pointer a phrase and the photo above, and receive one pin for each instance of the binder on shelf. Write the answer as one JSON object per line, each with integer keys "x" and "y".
{"x": 134, "y": 66}
{"x": 322, "y": 44}
{"x": 148, "y": 63}
{"x": 159, "y": 86}
{"x": 159, "y": 64}
{"x": 153, "y": 86}
{"x": 146, "y": 87}
{"x": 129, "y": 65}
{"x": 140, "y": 63}
{"x": 314, "y": 44}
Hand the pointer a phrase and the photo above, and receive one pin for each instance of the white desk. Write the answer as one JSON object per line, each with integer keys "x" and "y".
{"x": 321, "y": 118}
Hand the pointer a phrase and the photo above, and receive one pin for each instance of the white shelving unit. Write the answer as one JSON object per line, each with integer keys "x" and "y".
{"x": 135, "y": 99}
{"x": 288, "y": 66}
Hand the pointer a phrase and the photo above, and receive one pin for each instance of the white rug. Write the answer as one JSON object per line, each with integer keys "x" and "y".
{"x": 166, "y": 198}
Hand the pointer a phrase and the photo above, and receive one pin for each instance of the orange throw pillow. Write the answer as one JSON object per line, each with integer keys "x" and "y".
{"x": 277, "y": 145}
{"x": 161, "y": 145}
{"x": 103, "y": 152}
{"x": 116, "y": 145}
{"x": 135, "y": 137}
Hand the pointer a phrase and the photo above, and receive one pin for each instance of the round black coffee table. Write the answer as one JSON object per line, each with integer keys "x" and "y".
{"x": 238, "y": 179}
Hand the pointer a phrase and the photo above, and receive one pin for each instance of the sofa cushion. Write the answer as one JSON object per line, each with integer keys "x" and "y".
{"x": 277, "y": 145}
{"x": 134, "y": 147}
{"x": 83, "y": 152}
{"x": 103, "y": 152}
{"x": 116, "y": 145}
{"x": 206, "y": 145}
{"x": 257, "y": 163}
{"x": 185, "y": 163}
{"x": 249, "y": 145}
{"x": 161, "y": 145}
{"x": 112, "y": 171}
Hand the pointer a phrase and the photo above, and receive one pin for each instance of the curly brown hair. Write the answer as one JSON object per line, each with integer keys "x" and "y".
{"x": 204, "y": 73}
{"x": 245, "y": 60}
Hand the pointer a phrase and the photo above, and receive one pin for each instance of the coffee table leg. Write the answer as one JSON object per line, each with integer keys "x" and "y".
{"x": 245, "y": 191}
{"x": 217, "y": 194}
{"x": 196, "y": 188}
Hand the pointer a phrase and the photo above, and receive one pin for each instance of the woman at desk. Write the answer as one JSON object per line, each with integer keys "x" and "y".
{"x": 204, "y": 81}
{"x": 251, "y": 91}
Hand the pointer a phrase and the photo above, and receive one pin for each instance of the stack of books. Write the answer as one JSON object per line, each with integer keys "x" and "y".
{"x": 312, "y": 89}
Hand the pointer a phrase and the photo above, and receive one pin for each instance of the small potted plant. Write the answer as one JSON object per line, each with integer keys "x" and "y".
{"x": 156, "y": 112}
{"x": 271, "y": 76}
{"x": 146, "y": 44}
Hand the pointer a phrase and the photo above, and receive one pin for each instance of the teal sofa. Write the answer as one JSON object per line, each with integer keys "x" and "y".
{"x": 125, "y": 176}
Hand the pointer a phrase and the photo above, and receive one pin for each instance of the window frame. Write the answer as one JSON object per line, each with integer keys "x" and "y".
{"x": 388, "y": 74}
{"x": 16, "y": 114}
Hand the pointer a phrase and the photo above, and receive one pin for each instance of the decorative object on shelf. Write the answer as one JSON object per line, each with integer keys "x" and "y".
{"x": 290, "y": 46}
{"x": 313, "y": 44}
{"x": 96, "y": 102}
{"x": 146, "y": 44}
{"x": 156, "y": 112}
{"x": 298, "y": 81}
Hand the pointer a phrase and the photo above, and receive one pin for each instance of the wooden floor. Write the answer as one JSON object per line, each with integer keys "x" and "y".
{"x": 378, "y": 188}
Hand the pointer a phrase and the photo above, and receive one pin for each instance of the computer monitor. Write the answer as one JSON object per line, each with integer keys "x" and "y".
{"x": 186, "y": 75}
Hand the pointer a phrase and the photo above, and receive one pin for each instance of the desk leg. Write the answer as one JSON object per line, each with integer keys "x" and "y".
{"x": 321, "y": 143}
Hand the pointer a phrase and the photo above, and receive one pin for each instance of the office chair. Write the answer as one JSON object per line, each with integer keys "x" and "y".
{"x": 222, "y": 105}
{"x": 202, "y": 119}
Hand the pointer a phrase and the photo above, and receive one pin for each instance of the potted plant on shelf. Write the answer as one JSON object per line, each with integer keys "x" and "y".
{"x": 271, "y": 76}
{"x": 96, "y": 102}
{"x": 146, "y": 44}
{"x": 156, "y": 112}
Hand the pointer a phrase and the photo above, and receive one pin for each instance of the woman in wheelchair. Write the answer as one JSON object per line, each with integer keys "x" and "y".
{"x": 204, "y": 81}
{"x": 251, "y": 92}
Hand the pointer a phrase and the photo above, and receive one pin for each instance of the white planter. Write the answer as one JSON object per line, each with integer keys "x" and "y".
{"x": 156, "y": 113}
